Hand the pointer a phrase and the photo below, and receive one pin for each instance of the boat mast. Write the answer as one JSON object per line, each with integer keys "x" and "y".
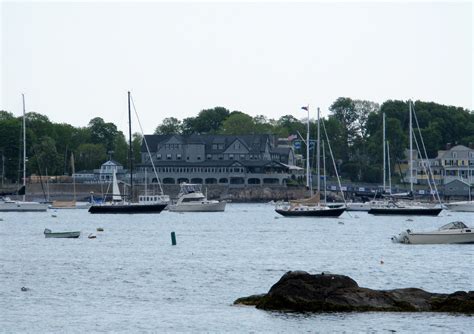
{"x": 324, "y": 174}
{"x": 318, "y": 156}
{"x": 130, "y": 147}
{"x": 411, "y": 147}
{"x": 24, "y": 147}
{"x": 384, "y": 162}
{"x": 307, "y": 157}
{"x": 389, "y": 171}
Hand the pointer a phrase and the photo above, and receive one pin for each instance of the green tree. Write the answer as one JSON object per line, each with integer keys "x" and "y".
{"x": 238, "y": 123}
{"x": 170, "y": 125}
{"x": 90, "y": 156}
{"x": 103, "y": 133}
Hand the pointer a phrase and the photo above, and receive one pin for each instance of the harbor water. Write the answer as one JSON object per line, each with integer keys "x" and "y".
{"x": 130, "y": 278}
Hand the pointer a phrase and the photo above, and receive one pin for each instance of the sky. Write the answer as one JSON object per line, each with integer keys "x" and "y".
{"x": 76, "y": 60}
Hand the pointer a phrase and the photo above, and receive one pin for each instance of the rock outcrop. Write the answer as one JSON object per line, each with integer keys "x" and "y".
{"x": 303, "y": 292}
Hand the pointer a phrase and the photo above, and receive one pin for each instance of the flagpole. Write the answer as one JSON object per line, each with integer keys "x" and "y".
{"x": 317, "y": 156}
{"x": 308, "y": 171}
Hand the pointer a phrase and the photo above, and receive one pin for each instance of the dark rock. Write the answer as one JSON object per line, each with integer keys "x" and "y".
{"x": 301, "y": 291}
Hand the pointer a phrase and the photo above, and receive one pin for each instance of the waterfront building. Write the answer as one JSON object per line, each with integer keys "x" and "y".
{"x": 233, "y": 160}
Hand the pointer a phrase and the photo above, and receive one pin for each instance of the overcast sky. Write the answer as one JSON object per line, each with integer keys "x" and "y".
{"x": 76, "y": 61}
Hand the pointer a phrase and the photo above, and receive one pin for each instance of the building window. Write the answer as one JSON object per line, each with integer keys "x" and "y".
{"x": 209, "y": 157}
{"x": 242, "y": 157}
{"x": 221, "y": 146}
{"x": 221, "y": 157}
{"x": 158, "y": 156}
{"x": 214, "y": 146}
{"x": 168, "y": 156}
{"x": 178, "y": 156}
{"x": 454, "y": 154}
{"x": 231, "y": 157}
{"x": 199, "y": 157}
{"x": 237, "y": 145}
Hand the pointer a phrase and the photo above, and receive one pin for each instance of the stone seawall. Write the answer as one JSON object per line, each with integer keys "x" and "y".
{"x": 258, "y": 193}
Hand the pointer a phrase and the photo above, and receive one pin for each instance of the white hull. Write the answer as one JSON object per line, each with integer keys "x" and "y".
{"x": 452, "y": 233}
{"x": 441, "y": 238}
{"x": 198, "y": 207}
{"x": 19, "y": 206}
{"x": 465, "y": 206}
{"x": 358, "y": 207}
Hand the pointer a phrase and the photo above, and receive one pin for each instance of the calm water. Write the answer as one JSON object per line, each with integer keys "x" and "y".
{"x": 130, "y": 279}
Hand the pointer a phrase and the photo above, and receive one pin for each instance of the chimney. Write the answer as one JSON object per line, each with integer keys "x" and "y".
{"x": 448, "y": 146}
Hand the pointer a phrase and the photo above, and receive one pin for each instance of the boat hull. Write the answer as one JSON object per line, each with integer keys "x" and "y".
{"x": 65, "y": 235}
{"x": 312, "y": 213}
{"x": 405, "y": 211}
{"x": 23, "y": 207}
{"x": 467, "y": 206}
{"x": 199, "y": 207}
{"x": 126, "y": 209}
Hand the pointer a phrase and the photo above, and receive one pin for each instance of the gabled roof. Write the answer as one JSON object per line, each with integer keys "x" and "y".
{"x": 112, "y": 163}
{"x": 462, "y": 152}
{"x": 254, "y": 143}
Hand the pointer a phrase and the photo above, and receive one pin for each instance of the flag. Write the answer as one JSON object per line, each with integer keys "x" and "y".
{"x": 305, "y": 108}
{"x": 292, "y": 137}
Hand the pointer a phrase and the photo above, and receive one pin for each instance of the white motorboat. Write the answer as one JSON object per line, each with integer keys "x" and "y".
{"x": 453, "y": 233}
{"x": 191, "y": 199}
{"x": 462, "y": 206}
{"x": 8, "y": 205}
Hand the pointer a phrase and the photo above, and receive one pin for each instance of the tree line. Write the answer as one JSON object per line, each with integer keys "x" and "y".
{"x": 354, "y": 128}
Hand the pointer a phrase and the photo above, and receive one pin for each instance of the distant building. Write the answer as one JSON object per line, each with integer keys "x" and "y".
{"x": 454, "y": 163}
{"x": 103, "y": 174}
{"x": 234, "y": 160}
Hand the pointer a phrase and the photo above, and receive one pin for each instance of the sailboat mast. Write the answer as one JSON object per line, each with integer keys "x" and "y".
{"x": 411, "y": 146}
{"x": 130, "y": 146}
{"x": 24, "y": 146}
{"x": 307, "y": 158}
{"x": 389, "y": 171}
{"x": 318, "y": 155}
{"x": 384, "y": 155}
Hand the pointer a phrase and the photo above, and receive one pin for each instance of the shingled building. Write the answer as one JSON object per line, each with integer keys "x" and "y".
{"x": 217, "y": 159}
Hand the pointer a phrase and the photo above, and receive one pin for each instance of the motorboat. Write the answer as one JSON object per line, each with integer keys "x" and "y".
{"x": 453, "y": 233}
{"x": 49, "y": 234}
{"x": 462, "y": 206}
{"x": 9, "y": 205}
{"x": 405, "y": 209}
{"x": 191, "y": 199}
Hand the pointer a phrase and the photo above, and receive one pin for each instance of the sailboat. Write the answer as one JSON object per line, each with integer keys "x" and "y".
{"x": 312, "y": 206}
{"x": 8, "y": 205}
{"x": 404, "y": 208}
{"x": 118, "y": 205}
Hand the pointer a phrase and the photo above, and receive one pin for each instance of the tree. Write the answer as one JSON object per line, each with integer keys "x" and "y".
{"x": 170, "y": 125}
{"x": 238, "y": 123}
{"x": 90, "y": 156}
{"x": 210, "y": 120}
{"x": 103, "y": 133}
{"x": 45, "y": 157}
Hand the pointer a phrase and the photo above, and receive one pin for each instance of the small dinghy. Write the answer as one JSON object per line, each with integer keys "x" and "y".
{"x": 452, "y": 233}
{"x": 49, "y": 234}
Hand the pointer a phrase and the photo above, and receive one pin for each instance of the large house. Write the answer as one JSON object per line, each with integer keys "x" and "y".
{"x": 217, "y": 159}
{"x": 454, "y": 163}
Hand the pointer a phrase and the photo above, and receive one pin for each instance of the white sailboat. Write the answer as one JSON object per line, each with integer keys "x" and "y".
{"x": 8, "y": 205}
